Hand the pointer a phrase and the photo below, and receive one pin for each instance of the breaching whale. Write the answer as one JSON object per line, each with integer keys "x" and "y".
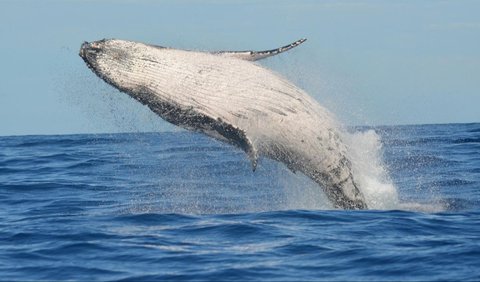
{"x": 227, "y": 96}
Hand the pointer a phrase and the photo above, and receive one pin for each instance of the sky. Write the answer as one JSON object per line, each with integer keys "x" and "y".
{"x": 369, "y": 62}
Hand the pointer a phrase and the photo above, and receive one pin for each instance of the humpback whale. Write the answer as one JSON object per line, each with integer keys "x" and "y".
{"x": 229, "y": 97}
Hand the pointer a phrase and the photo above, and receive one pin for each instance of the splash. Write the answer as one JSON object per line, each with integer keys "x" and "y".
{"x": 371, "y": 173}
{"x": 369, "y": 170}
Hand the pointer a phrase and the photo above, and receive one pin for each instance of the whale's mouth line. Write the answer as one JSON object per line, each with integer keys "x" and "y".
{"x": 89, "y": 52}
{"x": 86, "y": 52}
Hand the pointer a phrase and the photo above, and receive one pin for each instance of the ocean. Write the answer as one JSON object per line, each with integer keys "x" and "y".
{"x": 181, "y": 206}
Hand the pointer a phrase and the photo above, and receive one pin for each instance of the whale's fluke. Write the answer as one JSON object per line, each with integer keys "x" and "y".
{"x": 258, "y": 55}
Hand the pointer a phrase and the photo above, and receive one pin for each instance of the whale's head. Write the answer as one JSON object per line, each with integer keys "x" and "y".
{"x": 116, "y": 61}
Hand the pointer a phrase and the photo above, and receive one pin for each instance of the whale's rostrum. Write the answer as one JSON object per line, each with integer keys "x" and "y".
{"x": 230, "y": 98}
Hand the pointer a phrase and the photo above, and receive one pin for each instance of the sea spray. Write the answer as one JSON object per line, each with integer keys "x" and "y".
{"x": 300, "y": 192}
{"x": 373, "y": 177}
{"x": 369, "y": 169}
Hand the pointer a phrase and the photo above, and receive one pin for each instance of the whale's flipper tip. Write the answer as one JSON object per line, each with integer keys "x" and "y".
{"x": 258, "y": 55}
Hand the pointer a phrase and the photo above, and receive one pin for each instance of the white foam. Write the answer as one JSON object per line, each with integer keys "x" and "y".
{"x": 366, "y": 152}
{"x": 369, "y": 170}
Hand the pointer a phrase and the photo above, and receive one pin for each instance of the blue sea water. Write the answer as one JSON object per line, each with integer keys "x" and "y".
{"x": 180, "y": 206}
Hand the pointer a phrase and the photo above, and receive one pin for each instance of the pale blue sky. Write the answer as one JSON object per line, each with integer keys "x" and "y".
{"x": 370, "y": 62}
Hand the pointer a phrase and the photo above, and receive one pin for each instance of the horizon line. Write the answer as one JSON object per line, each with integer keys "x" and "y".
{"x": 179, "y": 129}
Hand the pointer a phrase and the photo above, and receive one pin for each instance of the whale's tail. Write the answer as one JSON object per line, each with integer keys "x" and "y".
{"x": 258, "y": 55}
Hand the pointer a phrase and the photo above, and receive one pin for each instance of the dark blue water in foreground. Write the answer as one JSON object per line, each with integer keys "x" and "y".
{"x": 160, "y": 206}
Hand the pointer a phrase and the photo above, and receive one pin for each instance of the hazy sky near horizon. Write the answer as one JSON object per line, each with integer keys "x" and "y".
{"x": 370, "y": 62}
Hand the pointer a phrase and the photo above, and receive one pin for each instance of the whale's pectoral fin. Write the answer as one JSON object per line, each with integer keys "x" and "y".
{"x": 239, "y": 138}
{"x": 258, "y": 55}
